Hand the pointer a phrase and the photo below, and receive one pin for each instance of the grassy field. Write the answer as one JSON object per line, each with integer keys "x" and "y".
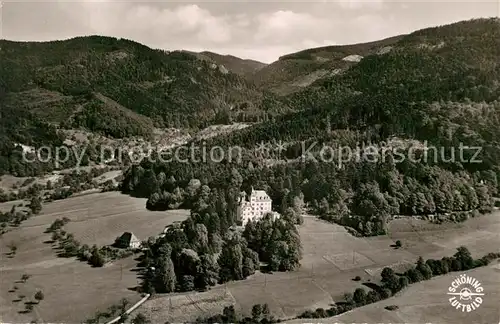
{"x": 427, "y": 302}
{"x": 74, "y": 290}
{"x": 331, "y": 259}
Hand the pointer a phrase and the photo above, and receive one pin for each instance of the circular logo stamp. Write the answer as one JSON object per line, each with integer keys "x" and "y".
{"x": 466, "y": 292}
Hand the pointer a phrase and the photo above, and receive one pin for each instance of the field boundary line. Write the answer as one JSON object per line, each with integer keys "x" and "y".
{"x": 195, "y": 304}
{"x": 317, "y": 285}
{"x": 276, "y": 300}
{"x": 331, "y": 262}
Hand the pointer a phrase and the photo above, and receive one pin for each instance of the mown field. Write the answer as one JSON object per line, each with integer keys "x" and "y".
{"x": 332, "y": 258}
{"x": 74, "y": 290}
{"x": 427, "y": 302}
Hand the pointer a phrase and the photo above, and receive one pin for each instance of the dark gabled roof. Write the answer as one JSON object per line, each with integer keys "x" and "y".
{"x": 128, "y": 237}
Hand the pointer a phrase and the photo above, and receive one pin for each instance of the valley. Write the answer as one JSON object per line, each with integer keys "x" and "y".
{"x": 331, "y": 259}
{"x": 281, "y": 233}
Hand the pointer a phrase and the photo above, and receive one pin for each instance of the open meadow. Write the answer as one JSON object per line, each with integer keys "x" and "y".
{"x": 331, "y": 259}
{"x": 73, "y": 289}
{"x": 427, "y": 302}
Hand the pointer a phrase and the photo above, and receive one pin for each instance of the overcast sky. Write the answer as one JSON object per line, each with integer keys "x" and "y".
{"x": 260, "y": 30}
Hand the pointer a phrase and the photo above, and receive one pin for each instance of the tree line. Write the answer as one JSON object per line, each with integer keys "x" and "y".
{"x": 260, "y": 314}
{"x": 362, "y": 195}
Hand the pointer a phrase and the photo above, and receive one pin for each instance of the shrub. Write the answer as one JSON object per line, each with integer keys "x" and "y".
{"x": 39, "y": 296}
{"x": 348, "y": 298}
{"x": 29, "y": 307}
{"x": 140, "y": 319}
{"x": 321, "y": 313}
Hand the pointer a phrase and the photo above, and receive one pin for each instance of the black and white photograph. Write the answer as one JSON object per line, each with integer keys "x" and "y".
{"x": 250, "y": 162}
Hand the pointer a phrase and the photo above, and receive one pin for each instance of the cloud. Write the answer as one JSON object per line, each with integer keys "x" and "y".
{"x": 372, "y": 27}
{"x": 242, "y": 21}
{"x": 283, "y": 26}
{"x": 363, "y": 4}
{"x": 148, "y": 23}
{"x": 258, "y": 30}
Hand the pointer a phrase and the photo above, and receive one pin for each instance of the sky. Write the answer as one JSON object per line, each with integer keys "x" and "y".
{"x": 260, "y": 30}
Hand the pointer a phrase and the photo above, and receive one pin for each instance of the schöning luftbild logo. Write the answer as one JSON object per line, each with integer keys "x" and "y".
{"x": 466, "y": 293}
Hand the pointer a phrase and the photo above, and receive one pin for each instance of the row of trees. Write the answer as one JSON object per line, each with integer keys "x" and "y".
{"x": 392, "y": 282}
{"x": 13, "y": 218}
{"x": 68, "y": 246}
{"x": 29, "y": 305}
{"x": 38, "y": 296}
{"x": 117, "y": 309}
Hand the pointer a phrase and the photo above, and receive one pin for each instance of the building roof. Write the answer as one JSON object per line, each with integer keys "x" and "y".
{"x": 259, "y": 194}
{"x": 129, "y": 237}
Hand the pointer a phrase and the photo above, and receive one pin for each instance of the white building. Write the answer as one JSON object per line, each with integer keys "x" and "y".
{"x": 256, "y": 206}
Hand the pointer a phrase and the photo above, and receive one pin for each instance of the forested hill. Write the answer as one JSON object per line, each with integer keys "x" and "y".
{"x": 439, "y": 84}
{"x": 296, "y": 71}
{"x": 87, "y": 80}
{"x": 243, "y": 67}
{"x": 116, "y": 88}
{"x": 433, "y": 83}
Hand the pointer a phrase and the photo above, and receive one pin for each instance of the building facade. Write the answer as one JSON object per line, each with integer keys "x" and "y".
{"x": 257, "y": 204}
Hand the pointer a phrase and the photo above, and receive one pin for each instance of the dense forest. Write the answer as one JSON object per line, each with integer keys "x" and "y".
{"x": 175, "y": 89}
{"x": 447, "y": 96}
{"x": 207, "y": 249}
{"x": 113, "y": 87}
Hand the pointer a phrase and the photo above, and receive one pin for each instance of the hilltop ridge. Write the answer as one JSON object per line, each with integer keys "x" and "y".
{"x": 120, "y": 88}
{"x": 243, "y": 67}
